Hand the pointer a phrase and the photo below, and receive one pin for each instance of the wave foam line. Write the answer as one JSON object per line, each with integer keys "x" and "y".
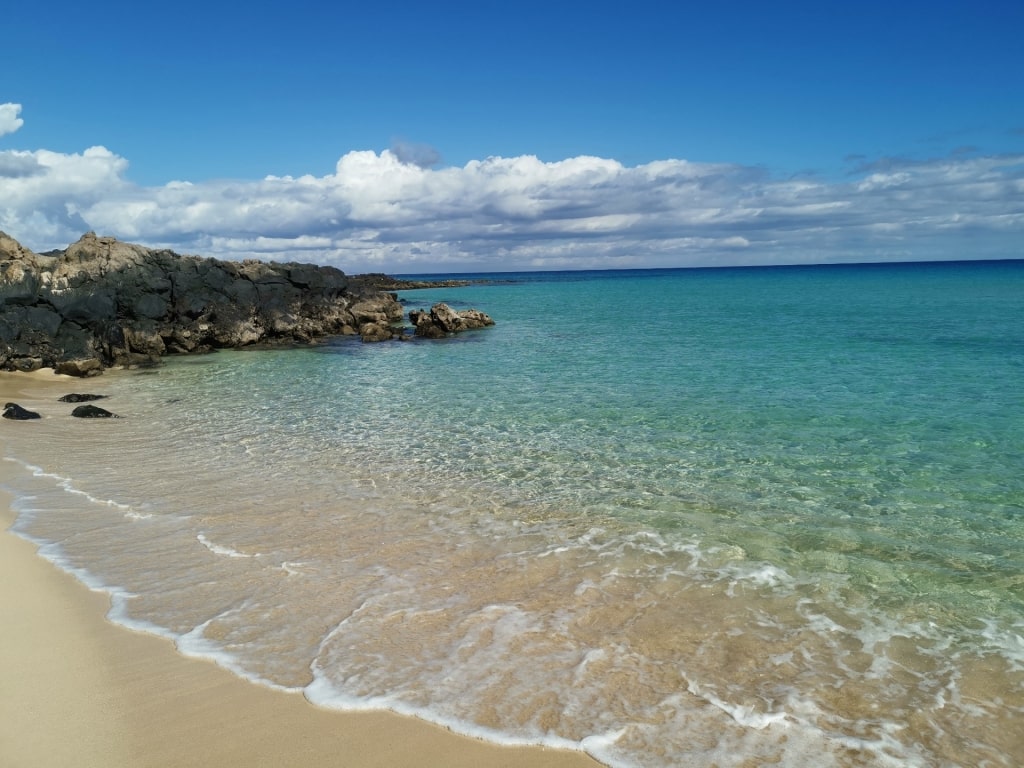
{"x": 322, "y": 693}
{"x": 220, "y": 549}
{"x": 67, "y": 485}
{"x": 192, "y": 644}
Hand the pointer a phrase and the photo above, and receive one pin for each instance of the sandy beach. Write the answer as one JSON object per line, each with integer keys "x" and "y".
{"x": 78, "y": 690}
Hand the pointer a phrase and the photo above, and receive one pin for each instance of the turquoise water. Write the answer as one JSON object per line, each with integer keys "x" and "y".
{"x": 779, "y": 409}
{"x": 692, "y": 517}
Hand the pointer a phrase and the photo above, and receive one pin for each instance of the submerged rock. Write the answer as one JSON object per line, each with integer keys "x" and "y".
{"x": 74, "y": 397}
{"x": 92, "y": 412}
{"x": 16, "y": 412}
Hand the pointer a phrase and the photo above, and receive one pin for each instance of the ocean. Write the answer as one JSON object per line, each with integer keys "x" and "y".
{"x": 692, "y": 517}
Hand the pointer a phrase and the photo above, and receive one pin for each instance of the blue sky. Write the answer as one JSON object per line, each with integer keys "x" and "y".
{"x": 543, "y": 135}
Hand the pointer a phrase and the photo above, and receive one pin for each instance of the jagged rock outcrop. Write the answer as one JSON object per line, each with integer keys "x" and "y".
{"x": 442, "y": 320}
{"x": 103, "y": 302}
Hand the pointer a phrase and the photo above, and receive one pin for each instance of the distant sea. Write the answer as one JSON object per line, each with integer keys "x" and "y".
{"x": 675, "y": 517}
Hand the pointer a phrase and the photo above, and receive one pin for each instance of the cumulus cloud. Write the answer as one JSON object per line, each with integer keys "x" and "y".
{"x": 14, "y": 164}
{"x": 9, "y": 120}
{"x": 385, "y": 211}
{"x": 423, "y": 155}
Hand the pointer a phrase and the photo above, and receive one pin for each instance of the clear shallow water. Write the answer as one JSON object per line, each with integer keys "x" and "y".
{"x": 677, "y": 517}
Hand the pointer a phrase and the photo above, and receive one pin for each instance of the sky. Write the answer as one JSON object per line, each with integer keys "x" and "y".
{"x": 412, "y": 137}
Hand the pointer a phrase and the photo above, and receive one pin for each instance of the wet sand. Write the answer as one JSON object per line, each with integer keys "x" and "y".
{"x": 76, "y": 689}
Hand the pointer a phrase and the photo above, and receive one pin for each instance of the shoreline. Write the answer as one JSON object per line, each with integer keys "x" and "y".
{"x": 81, "y": 690}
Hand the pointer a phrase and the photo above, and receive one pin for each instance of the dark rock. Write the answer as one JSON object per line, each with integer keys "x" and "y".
{"x": 150, "y": 305}
{"x": 16, "y": 412}
{"x": 92, "y": 412}
{"x": 74, "y": 397}
{"x": 86, "y": 306}
{"x": 380, "y": 282}
{"x": 102, "y": 302}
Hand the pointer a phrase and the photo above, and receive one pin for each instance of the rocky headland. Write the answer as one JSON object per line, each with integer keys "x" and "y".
{"x": 382, "y": 282}
{"x": 102, "y": 303}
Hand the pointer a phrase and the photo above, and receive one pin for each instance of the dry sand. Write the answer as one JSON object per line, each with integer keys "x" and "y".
{"x": 77, "y": 690}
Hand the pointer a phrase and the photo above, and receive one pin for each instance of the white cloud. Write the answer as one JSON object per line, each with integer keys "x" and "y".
{"x": 9, "y": 120}
{"x": 421, "y": 155}
{"x": 386, "y": 212}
